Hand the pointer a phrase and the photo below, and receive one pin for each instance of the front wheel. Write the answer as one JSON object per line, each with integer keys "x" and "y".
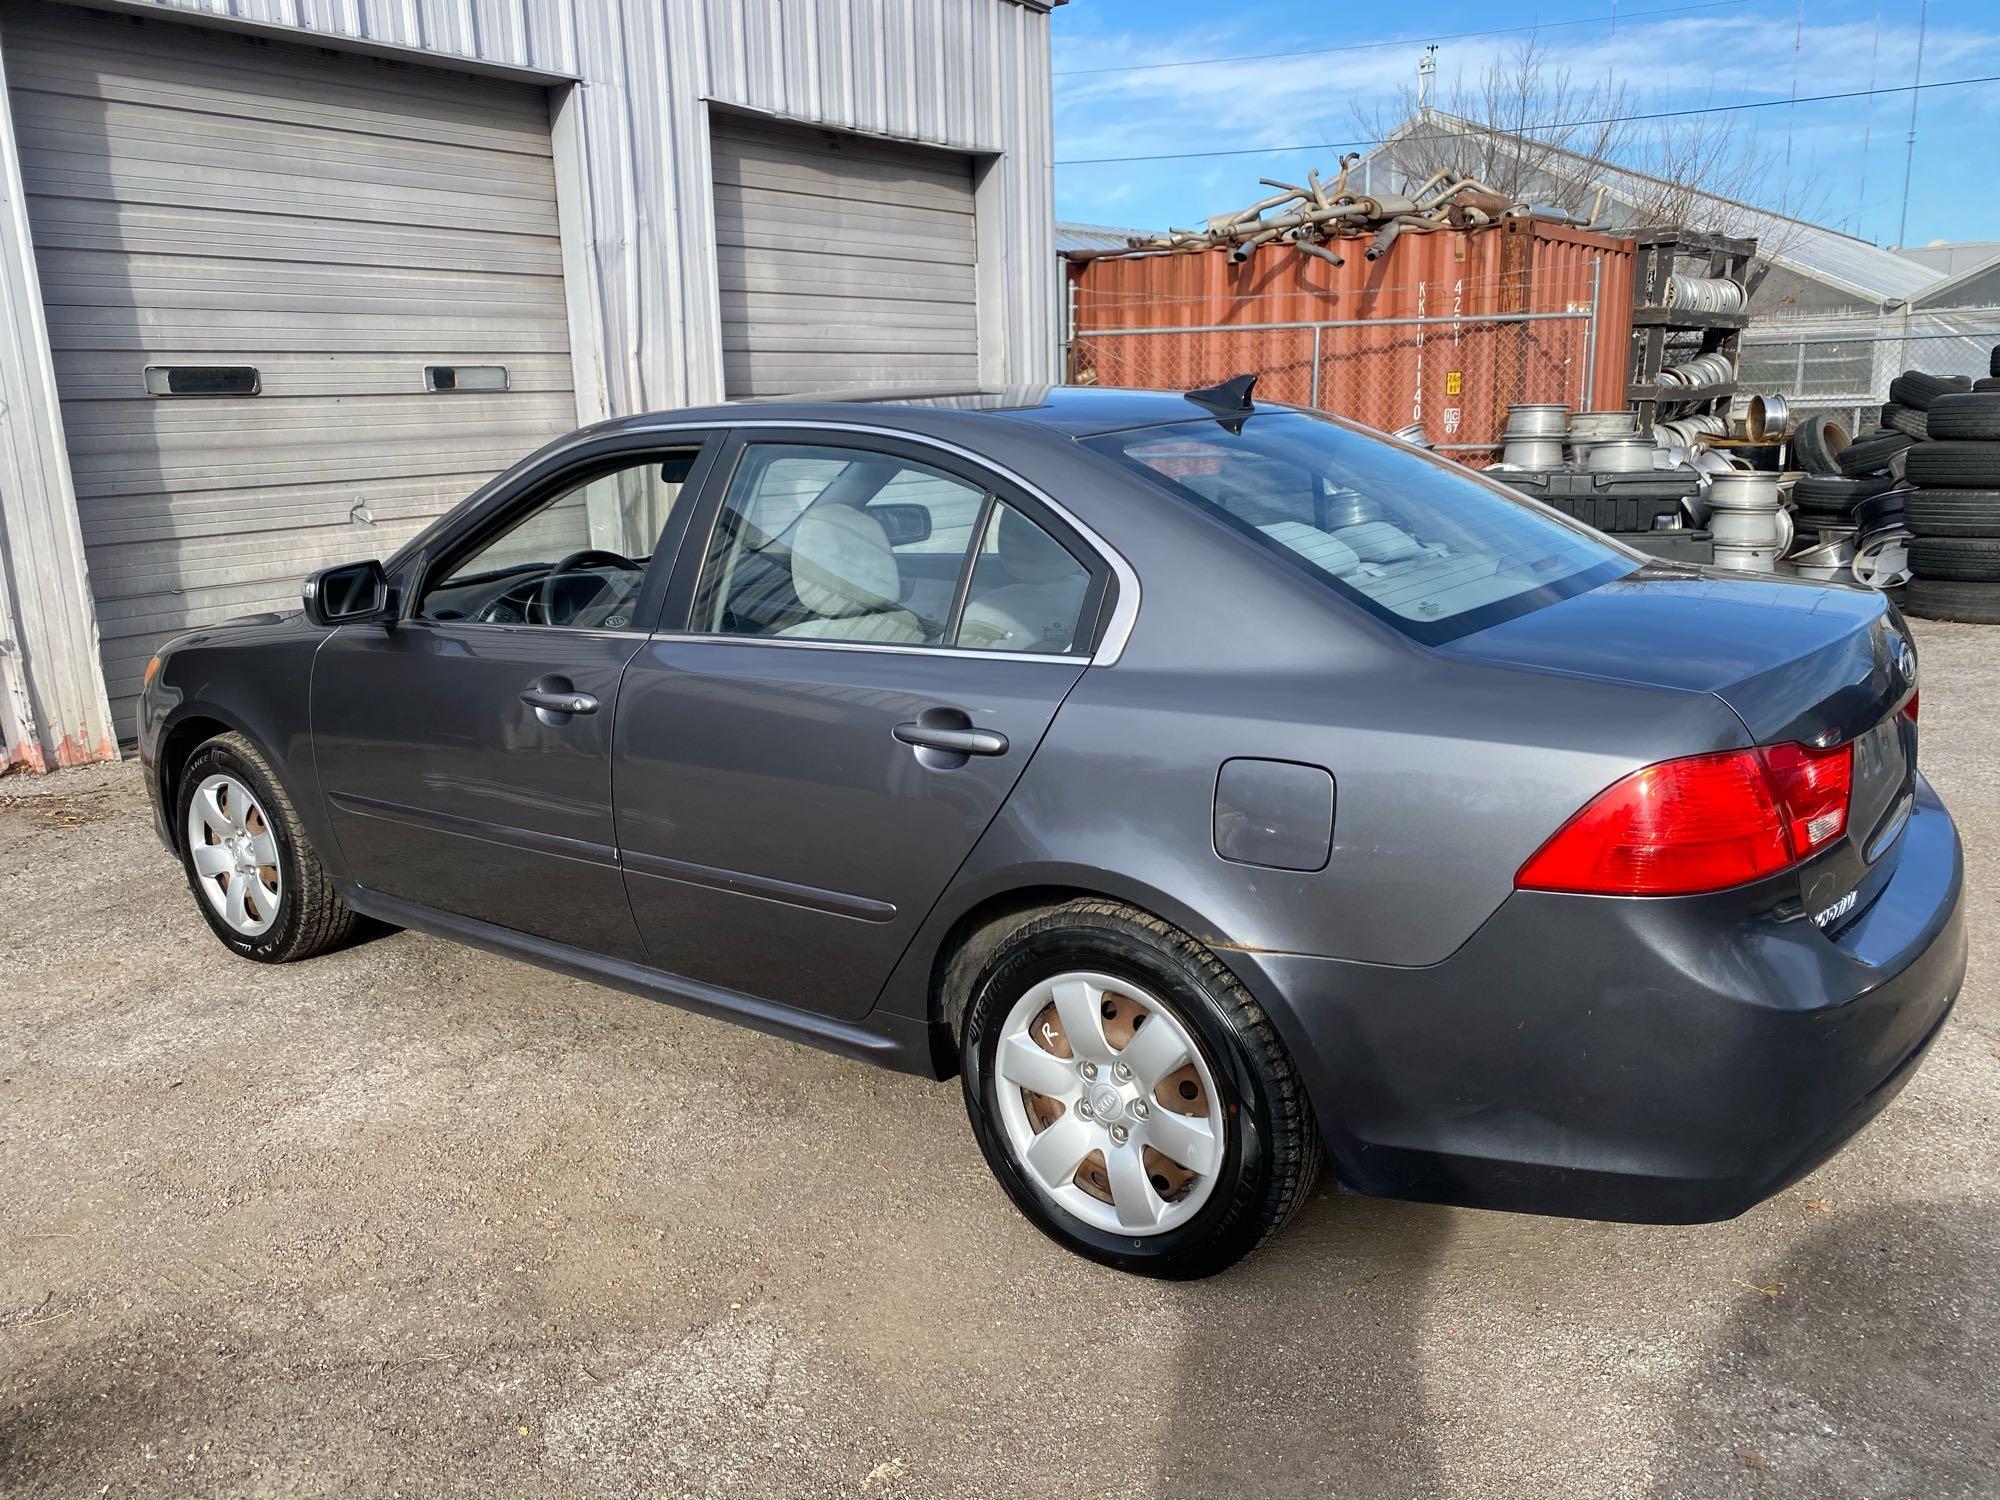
{"x": 253, "y": 871}
{"x": 1130, "y": 1094}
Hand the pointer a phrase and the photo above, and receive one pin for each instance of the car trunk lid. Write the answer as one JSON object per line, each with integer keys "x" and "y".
{"x": 1795, "y": 661}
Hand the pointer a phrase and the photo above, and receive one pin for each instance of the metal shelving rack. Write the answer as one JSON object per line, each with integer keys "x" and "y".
{"x": 1663, "y": 335}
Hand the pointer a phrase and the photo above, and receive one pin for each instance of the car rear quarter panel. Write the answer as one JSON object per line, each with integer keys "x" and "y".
{"x": 1448, "y": 773}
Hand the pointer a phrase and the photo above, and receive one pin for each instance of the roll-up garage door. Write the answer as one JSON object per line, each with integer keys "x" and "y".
{"x": 370, "y": 247}
{"x": 844, "y": 261}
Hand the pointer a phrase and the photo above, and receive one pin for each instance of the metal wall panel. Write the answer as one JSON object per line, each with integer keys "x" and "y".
{"x": 842, "y": 261}
{"x": 204, "y": 198}
{"x": 637, "y": 211}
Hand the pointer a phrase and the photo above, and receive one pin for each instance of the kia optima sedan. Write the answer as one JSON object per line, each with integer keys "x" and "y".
{"x": 1212, "y": 786}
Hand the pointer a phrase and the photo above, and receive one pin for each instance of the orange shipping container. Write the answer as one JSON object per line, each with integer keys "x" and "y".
{"x": 1448, "y": 328}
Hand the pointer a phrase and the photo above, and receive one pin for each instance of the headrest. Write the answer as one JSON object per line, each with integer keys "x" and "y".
{"x": 841, "y": 563}
{"x": 1378, "y": 541}
{"x": 1314, "y": 545}
{"x": 1030, "y": 553}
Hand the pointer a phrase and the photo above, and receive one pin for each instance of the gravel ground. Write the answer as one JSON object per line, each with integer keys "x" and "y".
{"x": 411, "y": 1220}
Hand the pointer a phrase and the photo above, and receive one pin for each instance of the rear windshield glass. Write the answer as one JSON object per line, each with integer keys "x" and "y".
{"x": 1422, "y": 543}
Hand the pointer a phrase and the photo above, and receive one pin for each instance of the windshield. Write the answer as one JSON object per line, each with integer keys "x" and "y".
{"x": 1419, "y": 542}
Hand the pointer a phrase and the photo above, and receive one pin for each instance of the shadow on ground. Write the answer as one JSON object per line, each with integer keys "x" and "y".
{"x": 1866, "y": 1369}
{"x": 1300, "y": 1366}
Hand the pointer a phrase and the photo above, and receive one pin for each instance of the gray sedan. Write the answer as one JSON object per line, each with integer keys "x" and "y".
{"x": 1216, "y": 788}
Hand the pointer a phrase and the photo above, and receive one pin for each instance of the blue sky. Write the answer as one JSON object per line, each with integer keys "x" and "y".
{"x": 1716, "y": 55}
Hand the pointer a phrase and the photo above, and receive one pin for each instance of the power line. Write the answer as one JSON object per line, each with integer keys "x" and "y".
{"x": 1397, "y": 41}
{"x": 1666, "y": 114}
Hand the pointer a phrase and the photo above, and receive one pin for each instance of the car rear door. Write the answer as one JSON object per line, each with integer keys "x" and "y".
{"x": 465, "y": 751}
{"x": 851, "y": 693}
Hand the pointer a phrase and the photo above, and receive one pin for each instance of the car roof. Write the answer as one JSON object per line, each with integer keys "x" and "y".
{"x": 1069, "y": 410}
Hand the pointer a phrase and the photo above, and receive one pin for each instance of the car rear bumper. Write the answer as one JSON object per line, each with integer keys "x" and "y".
{"x": 1655, "y": 1061}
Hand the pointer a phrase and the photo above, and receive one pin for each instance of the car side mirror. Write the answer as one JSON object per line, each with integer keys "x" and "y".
{"x": 348, "y": 594}
{"x": 903, "y": 523}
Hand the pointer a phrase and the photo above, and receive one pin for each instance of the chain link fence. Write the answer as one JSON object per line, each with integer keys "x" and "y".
{"x": 1455, "y": 372}
{"x": 1842, "y": 368}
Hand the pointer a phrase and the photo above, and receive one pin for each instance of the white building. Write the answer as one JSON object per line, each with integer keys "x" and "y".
{"x": 283, "y": 279}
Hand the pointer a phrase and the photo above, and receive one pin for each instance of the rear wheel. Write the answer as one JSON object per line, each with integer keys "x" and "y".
{"x": 1130, "y": 1095}
{"x": 253, "y": 871}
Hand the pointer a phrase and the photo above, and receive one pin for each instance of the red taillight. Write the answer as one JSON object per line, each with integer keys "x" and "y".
{"x": 1701, "y": 823}
{"x": 1910, "y": 709}
{"x": 1812, "y": 787}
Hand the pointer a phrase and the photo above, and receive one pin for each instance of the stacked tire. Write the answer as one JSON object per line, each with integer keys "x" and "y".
{"x": 1953, "y": 505}
{"x": 1841, "y": 474}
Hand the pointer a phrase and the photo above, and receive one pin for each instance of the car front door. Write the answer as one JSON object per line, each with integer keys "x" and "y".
{"x": 465, "y": 750}
{"x": 876, "y": 636}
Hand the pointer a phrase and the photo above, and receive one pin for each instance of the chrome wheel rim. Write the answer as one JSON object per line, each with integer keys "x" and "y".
{"x": 235, "y": 855}
{"x": 1107, "y": 1104}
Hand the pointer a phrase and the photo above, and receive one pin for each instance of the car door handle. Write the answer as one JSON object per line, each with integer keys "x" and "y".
{"x": 953, "y": 741}
{"x": 560, "y": 701}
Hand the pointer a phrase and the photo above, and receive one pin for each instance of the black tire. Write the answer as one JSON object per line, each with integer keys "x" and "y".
{"x": 1871, "y": 454}
{"x": 1836, "y": 494}
{"x": 1954, "y": 465}
{"x": 1271, "y": 1147}
{"x": 1947, "y": 599}
{"x": 1992, "y": 362}
{"x": 1914, "y": 388}
{"x": 1973, "y": 559}
{"x": 1817, "y": 444}
{"x": 311, "y": 916}
{"x": 1974, "y": 415}
{"x": 1987, "y": 383}
{"x": 1953, "y": 512}
{"x": 1906, "y": 420}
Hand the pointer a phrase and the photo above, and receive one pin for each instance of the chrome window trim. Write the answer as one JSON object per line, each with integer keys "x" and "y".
{"x": 967, "y": 653}
{"x": 1124, "y": 613}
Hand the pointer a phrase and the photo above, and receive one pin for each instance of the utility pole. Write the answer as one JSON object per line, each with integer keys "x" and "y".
{"x": 1910, "y": 151}
{"x": 1427, "y": 72}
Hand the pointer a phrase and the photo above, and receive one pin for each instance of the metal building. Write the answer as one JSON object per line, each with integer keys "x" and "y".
{"x": 282, "y": 279}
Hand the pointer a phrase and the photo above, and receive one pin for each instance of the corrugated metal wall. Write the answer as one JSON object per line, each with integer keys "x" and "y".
{"x": 638, "y": 222}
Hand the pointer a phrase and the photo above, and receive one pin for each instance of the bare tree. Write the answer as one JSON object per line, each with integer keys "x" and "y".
{"x": 1514, "y": 127}
{"x": 1526, "y": 128}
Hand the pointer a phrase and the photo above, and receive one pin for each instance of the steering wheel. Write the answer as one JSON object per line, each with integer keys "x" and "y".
{"x": 544, "y": 600}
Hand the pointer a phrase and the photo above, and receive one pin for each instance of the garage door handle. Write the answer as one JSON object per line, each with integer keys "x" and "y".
{"x": 560, "y": 701}
{"x": 956, "y": 741}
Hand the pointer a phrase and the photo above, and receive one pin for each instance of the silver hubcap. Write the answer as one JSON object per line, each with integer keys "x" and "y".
{"x": 235, "y": 855}
{"x": 1108, "y": 1104}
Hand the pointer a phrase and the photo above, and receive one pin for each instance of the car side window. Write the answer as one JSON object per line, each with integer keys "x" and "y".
{"x": 575, "y": 561}
{"x": 1027, "y": 592}
{"x": 837, "y": 544}
{"x": 848, "y": 544}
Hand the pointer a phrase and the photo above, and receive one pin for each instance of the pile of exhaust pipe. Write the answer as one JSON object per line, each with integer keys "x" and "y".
{"x": 1317, "y": 218}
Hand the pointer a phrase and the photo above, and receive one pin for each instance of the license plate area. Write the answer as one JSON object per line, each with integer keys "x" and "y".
{"x": 1881, "y": 778}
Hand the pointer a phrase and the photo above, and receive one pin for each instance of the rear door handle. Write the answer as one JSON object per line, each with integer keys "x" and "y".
{"x": 560, "y": 701}
{"x": 952, "y": 741}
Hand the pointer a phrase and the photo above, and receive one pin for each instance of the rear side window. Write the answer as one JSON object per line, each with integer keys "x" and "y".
{"x": 851, "y": 545}
{"x": 1423, "y": 544}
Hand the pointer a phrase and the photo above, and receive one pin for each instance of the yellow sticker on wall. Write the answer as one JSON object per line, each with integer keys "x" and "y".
{"x": 1454, "y": 382}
